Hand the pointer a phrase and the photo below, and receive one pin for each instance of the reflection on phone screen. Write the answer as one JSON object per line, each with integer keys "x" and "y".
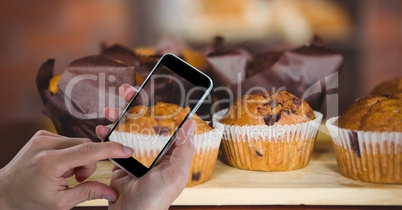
{"x": 155, "y": 114}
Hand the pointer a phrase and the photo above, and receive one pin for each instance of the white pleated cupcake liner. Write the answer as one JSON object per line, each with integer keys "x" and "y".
{"x": 366, "y": 139}
{"x": 367, "y": 156}
{"x": 269, "y": 148}
{"x": 294, "y": 132}
{"x": 149, "y": 145}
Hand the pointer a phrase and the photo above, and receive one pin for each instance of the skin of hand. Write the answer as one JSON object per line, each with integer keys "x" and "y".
{"x": 160, "y": 186}
{"x": 36, "y": 177}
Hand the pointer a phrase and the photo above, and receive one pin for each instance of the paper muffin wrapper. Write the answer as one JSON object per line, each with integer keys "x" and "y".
{"x": 147, "y": 147}
{"x": 269, "y": 148}
{"x": 367, "y": 156}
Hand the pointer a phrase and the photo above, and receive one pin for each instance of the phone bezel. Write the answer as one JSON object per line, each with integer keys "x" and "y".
{"x": 187, "y": 72}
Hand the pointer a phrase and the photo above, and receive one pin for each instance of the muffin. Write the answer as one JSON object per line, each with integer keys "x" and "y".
{"x": 269, "y": 132}
{"x": 53, "y": 84}
{"x": 148, "y": 134}
{"x": 72, "y": 104}
{"x": 163, "y": 118}
{"x": 367, "y": 139}
{"x": 388, "y": 87}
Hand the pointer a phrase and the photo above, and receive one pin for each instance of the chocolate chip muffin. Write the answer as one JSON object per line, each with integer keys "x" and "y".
{"x": 148, "y": 129}
{"x": 269, "y": 132}
{"x": 388, "y": 87}
{"x": 281, "y": 108}
{"x": 367, "y": 139}
{"x": 374, "y": 113}
{"x": 161, "y": 119}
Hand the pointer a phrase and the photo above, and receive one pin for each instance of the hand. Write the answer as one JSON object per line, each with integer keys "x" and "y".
{"x": 36, "y": 177}
{"x": 158, "y": 188}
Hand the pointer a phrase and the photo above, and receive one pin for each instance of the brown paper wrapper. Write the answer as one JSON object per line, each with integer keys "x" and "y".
{"x": 142, "y": 63}
{"x": 236, "y": 70}
{"x": 87, "y": 86}
{"x": 242, "y": 71}
{"x": 145, "y": 63}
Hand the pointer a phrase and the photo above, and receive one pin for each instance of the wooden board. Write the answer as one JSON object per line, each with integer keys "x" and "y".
{"x": 320, "y": 183}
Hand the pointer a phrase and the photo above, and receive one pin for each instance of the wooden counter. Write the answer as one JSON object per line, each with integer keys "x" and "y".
{"x": 320, "y": 183}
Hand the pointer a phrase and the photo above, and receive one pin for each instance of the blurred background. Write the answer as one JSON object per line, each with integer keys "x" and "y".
{"x": 367, "y": 32}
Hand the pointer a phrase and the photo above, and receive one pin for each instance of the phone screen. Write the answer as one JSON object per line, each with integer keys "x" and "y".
{"x": 169, "y": 95}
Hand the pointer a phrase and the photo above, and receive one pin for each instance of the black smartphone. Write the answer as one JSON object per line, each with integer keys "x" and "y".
{"x": 172, "y": 81}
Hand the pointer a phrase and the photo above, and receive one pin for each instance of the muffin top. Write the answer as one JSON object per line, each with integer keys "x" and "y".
{"x": 282, "y": 108}
{"x": 374, "y": 113}
{"x": 388, "y": 87}
{"x": 161, "y": 119}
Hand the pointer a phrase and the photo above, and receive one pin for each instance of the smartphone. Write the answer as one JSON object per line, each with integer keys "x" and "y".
{"x": 172, "y": 81}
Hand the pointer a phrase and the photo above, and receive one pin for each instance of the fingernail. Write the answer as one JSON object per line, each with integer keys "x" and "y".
{"x": 128, "y": 150}
{"x": 109, "y": 198}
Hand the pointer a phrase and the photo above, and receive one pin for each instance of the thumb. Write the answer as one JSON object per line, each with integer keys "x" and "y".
{"x": 89, "y": 191}
{"x": 183, "y": 149}
{"x": 186, "y": 132}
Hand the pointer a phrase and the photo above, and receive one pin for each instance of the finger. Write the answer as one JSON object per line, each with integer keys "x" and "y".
{"x": 46, "y": 133}
{"x": 115, "y": 167}
{"x": 44, "y": 140}
{"x": 88, "y": 191}
{"x": 68, "y": 173}
{"x": 112, "y": 114}
{"x": 127, "y": 92}
{"x": 179, "y": 160}
{"x": 118, "y": 173}
{"x": 90, "y": 152}
{"x": 183, "y": 152}
{"x": 83, "y": 172}
{"x": 102, "y": 131}
{"x": 55, "y": 142}
{"x": 63, "y": 143}
{"x": 183, "y": 135}
{"x": 186, "y": 134}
